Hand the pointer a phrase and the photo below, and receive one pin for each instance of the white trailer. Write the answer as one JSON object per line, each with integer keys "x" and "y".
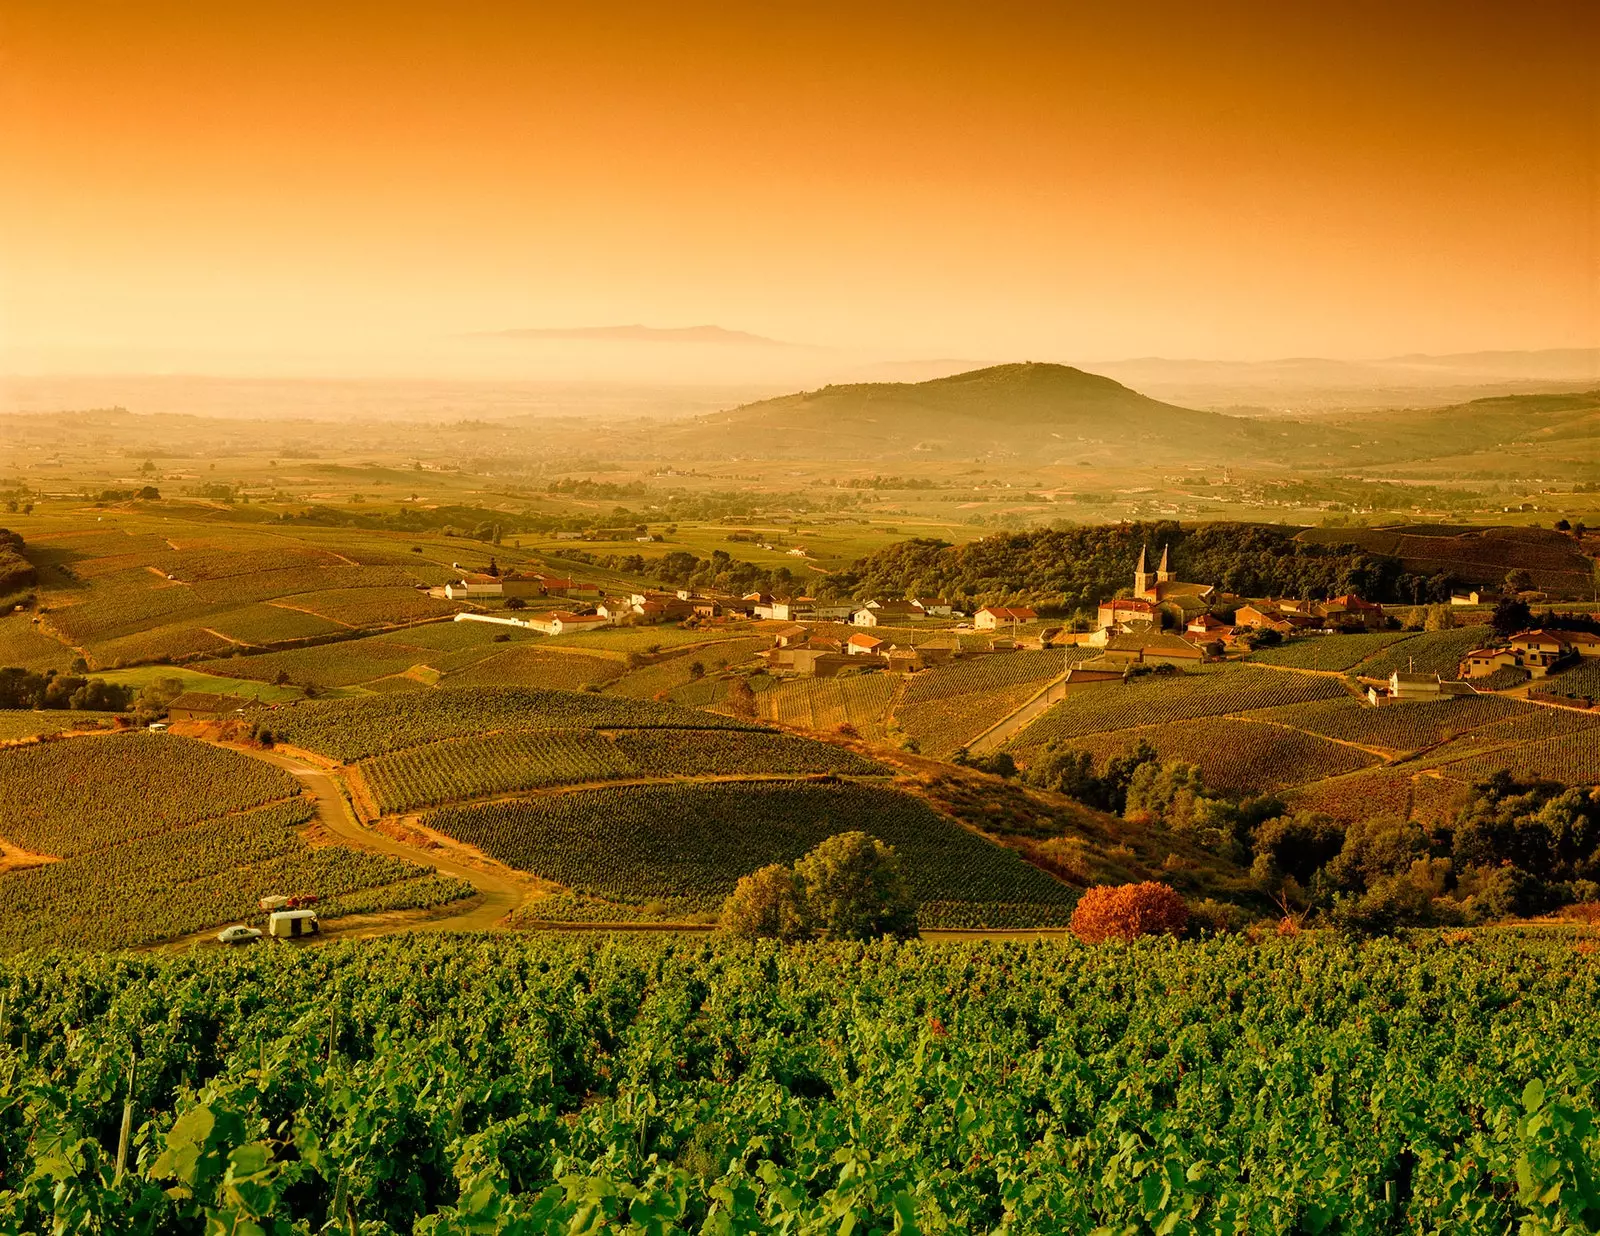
{"x": 290, "y": 924}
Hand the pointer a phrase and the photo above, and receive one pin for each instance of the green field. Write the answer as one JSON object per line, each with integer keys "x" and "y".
{"x": 1035, "y": 1089}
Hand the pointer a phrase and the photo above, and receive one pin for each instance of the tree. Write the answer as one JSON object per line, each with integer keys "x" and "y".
{"x": 1440, "y": 618}
{"x": 1519, "y": 580}
{"x": 741, "y": 700}
{"x": 854, "y": 889}
{"x": 697, "y": 670}
{"x": 1127, "y": 911}
{"x": 516, "y": 603}
{"x": 1510, "y": 616}
{"x": 766, "y": 904}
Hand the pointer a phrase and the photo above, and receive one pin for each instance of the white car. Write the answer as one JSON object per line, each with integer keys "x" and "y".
{"x": 239, "y": 934}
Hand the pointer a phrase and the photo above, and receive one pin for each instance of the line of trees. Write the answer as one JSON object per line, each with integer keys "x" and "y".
{"x": 1074, "y": 568}
{"x": 1511, "y": 848}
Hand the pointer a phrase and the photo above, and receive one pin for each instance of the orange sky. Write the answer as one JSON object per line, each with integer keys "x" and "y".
{"x": 342, "y": 187}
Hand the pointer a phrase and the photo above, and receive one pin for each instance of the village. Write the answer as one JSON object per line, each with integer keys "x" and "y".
{"x": 1158, "y": 624}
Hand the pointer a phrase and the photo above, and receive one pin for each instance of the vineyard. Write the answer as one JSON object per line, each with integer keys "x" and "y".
{"x": 84, "y": 794}
{"x": 702, "y": 753}
{"x": 22, "y": 644}
{"x": 354, "y": 729}
{"x": 1401, "y": 725}
{"x": 1433, "y": 652}
{"x": 859, "y": 700}
{"x": 1572, "y": 760}
{"x": 18, "y": 723}
{"x": 992, "y": 672}
{"x": 1247, "y": 757}
{"x": 942, "y": 726}
{"x": 692, "y": 842}
{"x": 1439, "y": 1085}
{"x": 677, "y": 671}
{"x": 191, "y": 878}
{"x": 1329, "y": 652}
{"x": 1360, "y": 796}
{"x": 1581, "y": 680}
{"x": 1157, "y": 699}
{"x": 495, "y": 764}
{"x": 537, "y": 667}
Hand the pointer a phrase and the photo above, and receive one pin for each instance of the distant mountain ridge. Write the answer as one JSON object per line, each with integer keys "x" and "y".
{"x": 1032, "y": 411}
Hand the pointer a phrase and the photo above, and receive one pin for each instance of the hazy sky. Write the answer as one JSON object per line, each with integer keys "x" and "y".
{"x": 285, "y": 187}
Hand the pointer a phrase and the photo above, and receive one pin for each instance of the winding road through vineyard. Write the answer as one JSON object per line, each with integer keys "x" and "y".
{"x": 497, "y": 896}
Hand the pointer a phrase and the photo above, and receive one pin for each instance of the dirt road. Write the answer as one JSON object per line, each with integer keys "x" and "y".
{"x": 497, "y": 895}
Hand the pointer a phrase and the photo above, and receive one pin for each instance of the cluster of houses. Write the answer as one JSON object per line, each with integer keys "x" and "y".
{"x": 1539, "y": 652}
{"x": 1163, "y": 621}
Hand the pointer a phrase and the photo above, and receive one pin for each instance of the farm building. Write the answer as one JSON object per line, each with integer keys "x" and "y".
{"x": 993, "y": 617}
{"x": 861, "y": 644}
{"x": 561, "y": 622}
{"x": 1539, "y": 652}
{"x": 1159, "y": 648}
{"x": 886, "y": 613}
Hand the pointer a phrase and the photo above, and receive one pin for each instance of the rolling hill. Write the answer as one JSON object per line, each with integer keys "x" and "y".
{"x": 1038, "y": 412}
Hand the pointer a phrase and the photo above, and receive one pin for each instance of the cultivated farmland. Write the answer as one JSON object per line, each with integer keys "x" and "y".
{"x": 690, "y": 843}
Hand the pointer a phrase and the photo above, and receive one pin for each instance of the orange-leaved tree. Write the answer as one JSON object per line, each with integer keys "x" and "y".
{"x": 1126, "y": 911}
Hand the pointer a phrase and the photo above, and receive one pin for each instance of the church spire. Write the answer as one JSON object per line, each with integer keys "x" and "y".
{"x": 1163, "y": 572}
{"x": 1141, "y": 577}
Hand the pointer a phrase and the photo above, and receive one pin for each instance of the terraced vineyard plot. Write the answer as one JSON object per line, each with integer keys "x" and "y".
{"x": 179, "y": 640}
{"x": 301, "y": 581}
{"x": 84, "y": 794}
{"x": 1432, "y": 652}
{"x": 1156, "y": 699}
{"x": 127, "y": 604}
{"x": 941, "y": 726}
{"x": 353, "y": 729}
{"x": 210, "y": 563}
{"x": 1330, "y": 652}
{"x": 268, "y": 624}
{"x": 342, "y": 663}
{"x": 861, "y": 700}
{"x": 1573, "y": 760}
{"x": 647, "y": 681}
{"x": 1360, "y": 796}
{"x": 1535, "y": 722}
{"x": 1247, "y": 757}
{"x": 373, "y": 607}
{"x": 693, "y": 842}
{"x": 636, "y": 639}
{"x": 1581, "y": 680}
{"x": 494, "y": 764}
{"x": 18, "y": 723}
{"x": 703, "y": 753}
{"x": 450, "y": 637}
{"x": 22, "y": 644}
{"x": 200, "y": 876}
{"x": 538, "y": 667}
{"x": 1404, "y": 725}
{"x": 992, "y": 672}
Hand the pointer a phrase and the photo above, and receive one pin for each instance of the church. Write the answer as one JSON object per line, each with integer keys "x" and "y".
{"x": 1154, "y": 591}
